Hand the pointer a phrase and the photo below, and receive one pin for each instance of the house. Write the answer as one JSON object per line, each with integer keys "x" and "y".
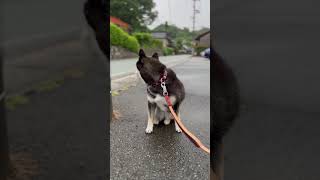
{"x": 164, "y": 37}
{"x": 125, "y": 26}
{"x": 202, "y": 40}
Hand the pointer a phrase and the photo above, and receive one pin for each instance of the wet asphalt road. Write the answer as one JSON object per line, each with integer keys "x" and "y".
{"x": 164, "y": 154}
{"x": 273, "y": 47}
{"x": 27, "y": 20}
{"x": 63, "y": 130}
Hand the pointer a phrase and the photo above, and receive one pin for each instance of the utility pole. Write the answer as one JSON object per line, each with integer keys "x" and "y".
{"x": 166, "y": 26}
{"x": 195, "y": 12}
{"x": 4, "y": 147}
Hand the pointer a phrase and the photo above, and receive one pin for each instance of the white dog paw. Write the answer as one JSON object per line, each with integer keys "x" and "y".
{"x": 149, "y": 130}
{"x": 177, "y": 127}
{"x": 167, "y": 121}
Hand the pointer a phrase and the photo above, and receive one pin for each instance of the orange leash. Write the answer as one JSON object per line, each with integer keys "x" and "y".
{"x": 191, "y": 137}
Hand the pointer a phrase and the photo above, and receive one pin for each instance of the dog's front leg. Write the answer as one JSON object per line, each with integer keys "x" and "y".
{"x": 176, "y": 124}
{"x": 151, "y": 116}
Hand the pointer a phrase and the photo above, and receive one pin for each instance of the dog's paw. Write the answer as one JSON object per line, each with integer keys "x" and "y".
{"x": 178, "y": 130}
{"x": 167, "y": 121}
{"x": 177, "y": 127}
{"x": 149, "y": 130}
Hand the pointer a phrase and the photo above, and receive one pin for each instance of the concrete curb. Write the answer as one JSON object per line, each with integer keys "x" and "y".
{"x": 122, "y": 75}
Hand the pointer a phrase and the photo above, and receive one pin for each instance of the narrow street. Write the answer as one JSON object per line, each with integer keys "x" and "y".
{"x": 273, "y": 49}
{"x": 62, "y": 129}
{"x": 164, "y": 154}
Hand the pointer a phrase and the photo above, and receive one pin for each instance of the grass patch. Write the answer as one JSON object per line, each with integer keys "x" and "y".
{"x": 124, "y": 88}
{"x": 12, "y": 102}
{"x": 49, "y": 85}
{"x": 115, "y": 93}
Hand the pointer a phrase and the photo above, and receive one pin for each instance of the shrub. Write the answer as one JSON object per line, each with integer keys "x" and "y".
{"x": 132, "y": 44}
{"x": 147, "y": 41}
{"x": 143, "y": 38}
{"x": 167, "y": 51}
{"x": 118, "y": 37}
{"x": 115, "y": 35}
{"x": 157, "y": 43}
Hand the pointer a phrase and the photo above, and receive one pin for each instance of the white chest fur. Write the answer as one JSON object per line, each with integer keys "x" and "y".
{"x": 160, "y": 101}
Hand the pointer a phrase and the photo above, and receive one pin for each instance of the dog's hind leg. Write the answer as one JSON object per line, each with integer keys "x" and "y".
{"x": 151, "y": 116}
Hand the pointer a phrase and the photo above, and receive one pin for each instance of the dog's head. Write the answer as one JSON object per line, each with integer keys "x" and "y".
{"x": 150, "y": 68}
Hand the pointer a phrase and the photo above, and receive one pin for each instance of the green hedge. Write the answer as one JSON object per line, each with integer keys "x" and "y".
{"x": 119, "y": 37}
{"x": 147, "y": 41}
{"x": 167, "y": 51}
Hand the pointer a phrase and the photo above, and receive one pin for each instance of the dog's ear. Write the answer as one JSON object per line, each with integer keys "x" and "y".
{"x": 141, "y": 53}
{"x": 156, "y": 56}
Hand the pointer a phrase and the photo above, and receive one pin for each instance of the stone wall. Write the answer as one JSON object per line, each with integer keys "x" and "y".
{"x": 121, "y": 53}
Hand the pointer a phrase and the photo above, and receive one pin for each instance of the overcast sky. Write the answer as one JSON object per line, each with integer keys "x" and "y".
{"x": 179, "y": 12}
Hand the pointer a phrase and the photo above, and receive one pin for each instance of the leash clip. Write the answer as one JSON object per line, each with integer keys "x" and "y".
{"x": 164, "y": 88}
{"x": 163, "y": 83}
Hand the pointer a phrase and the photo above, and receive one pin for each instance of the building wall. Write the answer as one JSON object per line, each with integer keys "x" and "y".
{"x": 121, "y": 53}
{"x": 204, "y": 41}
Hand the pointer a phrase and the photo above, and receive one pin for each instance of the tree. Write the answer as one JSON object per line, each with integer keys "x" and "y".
{"x": 137, "y": 13}
{"x": 179, "y": 44}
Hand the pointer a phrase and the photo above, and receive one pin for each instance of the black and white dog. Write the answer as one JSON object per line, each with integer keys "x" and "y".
{"x": 151, "y": 71}
{"x": 225, "y": 105}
